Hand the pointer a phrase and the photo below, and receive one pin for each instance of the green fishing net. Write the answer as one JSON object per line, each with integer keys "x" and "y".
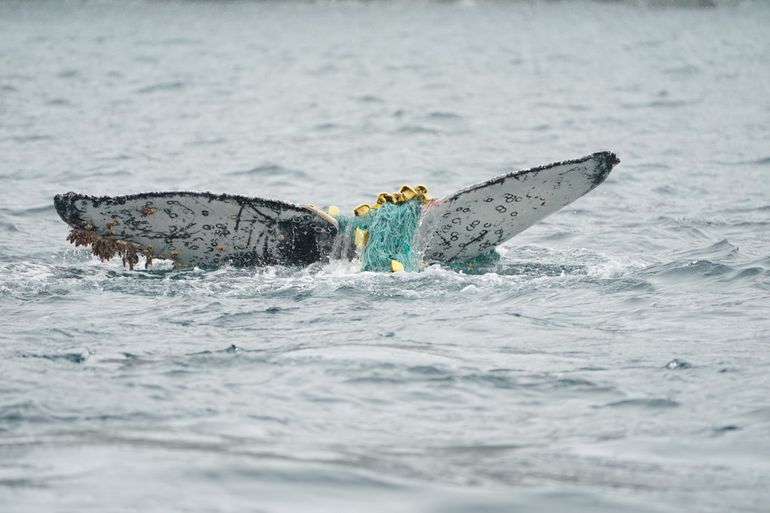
{"x": 391, "y": 229}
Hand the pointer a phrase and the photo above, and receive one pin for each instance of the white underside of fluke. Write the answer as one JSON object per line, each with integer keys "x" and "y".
{"x": 474, "y": 220}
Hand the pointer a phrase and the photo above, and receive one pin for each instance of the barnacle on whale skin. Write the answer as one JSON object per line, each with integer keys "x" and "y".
{"x": 106, "y": 249}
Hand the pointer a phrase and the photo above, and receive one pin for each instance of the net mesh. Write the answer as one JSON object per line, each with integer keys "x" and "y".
{"x": 391, "y": 229}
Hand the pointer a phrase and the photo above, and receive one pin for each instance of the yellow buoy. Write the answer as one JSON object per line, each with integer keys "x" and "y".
{"x": 333, "y": 210}
{"x": 361, "y": 238}
{"x": 362, "y": 209}
{"x": 407, "y": 192}
{"x": 422, "y": 192}
{"x": 396, "y": 266}
{"x": 384, "y": 197}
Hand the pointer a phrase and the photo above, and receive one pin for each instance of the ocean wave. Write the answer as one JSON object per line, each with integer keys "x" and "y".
{"x": 173, "y": 85}
{"x": 270, "y": 171}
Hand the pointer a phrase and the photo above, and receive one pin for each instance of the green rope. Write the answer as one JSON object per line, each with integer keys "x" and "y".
{"x": 391, "y": 230}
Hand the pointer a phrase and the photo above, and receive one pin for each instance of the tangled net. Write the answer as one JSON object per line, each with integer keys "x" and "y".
{"x": 386, "y": 229}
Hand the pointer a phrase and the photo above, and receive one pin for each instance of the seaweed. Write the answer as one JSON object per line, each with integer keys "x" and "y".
{"x": 106, "y": 248}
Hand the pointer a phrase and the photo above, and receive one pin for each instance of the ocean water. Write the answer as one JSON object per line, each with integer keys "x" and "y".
{"x": 616, "y": 358}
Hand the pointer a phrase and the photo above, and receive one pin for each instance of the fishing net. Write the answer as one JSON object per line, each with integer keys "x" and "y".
{"x": 383, "y": 232}
{"x": 389, "y": 233}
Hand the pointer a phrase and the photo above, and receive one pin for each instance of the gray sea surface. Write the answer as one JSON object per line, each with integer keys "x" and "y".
{"x": 615, "y": 359}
